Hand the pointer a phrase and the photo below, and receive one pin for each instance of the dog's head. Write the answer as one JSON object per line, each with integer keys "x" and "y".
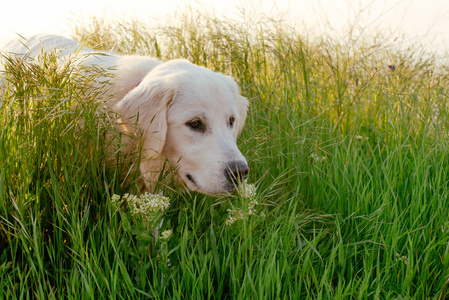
{"x": 191, "y": 117}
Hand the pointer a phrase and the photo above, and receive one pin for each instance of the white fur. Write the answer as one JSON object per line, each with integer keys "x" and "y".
{"x": 166, "y": 96}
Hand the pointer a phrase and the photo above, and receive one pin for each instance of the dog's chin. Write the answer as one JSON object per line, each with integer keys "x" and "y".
{"x": 217, "y": 190}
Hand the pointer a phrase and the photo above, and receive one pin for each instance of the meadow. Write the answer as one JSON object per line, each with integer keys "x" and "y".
{"x": 347, "y": 144}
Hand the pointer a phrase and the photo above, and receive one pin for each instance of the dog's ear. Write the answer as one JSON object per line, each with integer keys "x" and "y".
{"x": 144, "y": 111}
{"x": 242, "y": 107}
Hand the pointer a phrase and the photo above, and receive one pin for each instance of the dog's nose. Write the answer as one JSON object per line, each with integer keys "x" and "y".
{"x": 236, "y": 171}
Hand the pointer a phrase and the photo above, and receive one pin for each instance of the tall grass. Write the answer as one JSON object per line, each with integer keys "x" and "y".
{"x": 347, "y": 147}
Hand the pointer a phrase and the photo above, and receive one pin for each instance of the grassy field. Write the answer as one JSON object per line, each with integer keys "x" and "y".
{"x": 347, "y": 145}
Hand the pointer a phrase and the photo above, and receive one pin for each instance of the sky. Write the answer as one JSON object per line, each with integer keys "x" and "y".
{"x": 424, "y": 22}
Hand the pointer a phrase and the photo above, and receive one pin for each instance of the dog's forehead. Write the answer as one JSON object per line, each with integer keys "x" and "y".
{"x": 205, "y": 93}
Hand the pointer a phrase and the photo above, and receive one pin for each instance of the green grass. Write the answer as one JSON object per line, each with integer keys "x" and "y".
{"x": 350, "y": 159}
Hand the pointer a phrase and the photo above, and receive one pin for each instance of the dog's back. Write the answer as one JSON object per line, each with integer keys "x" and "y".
{"x": 128, "y": 70}
{"x": 33, "y": 45}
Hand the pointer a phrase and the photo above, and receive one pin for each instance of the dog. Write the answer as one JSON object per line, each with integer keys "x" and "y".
{"x": 188, "y": 116}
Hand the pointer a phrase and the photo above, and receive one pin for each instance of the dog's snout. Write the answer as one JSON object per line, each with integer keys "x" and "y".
{"x": 236, "y": 171}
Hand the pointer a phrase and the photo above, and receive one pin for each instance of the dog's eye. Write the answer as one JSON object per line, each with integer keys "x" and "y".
{"x": 231, "y": 121}
{"x": 196, "y": 125}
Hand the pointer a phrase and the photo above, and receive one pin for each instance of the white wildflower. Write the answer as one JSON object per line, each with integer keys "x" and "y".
{"x": 402, "y": 258}
{"x": 247, "y": 190}
{"x": 317, "y": 158}
{"x": 166, "y": 234}
{"x": 230, "y": 220}
{"x": 237, "y": 213}
{"x": 125, "y": 197}
{"x": 148, "y": 203}
{"x": 115, "y": 199}
{"x": 251, "y": 205}
{"x": 234, "y": 215}
{"x": 147, "y": 206}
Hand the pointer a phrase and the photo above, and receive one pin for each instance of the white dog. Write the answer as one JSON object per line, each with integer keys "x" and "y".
{"x": 187, "y": 115}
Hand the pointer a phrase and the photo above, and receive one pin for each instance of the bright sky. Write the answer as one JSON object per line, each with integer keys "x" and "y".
{"x": 423, "y": 21}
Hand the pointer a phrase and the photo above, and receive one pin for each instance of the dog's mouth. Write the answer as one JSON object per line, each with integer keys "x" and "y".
{"x": 229, "y": 188}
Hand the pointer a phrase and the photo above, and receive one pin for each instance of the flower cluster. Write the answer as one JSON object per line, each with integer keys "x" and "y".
{"x": 146, "y": 205}
{"x": 142, "y": 218}
{"x": 247, "y": 191}
{"x": 234, "y": 215}
{"x": 166, "y": 234}
{"x": 316, "y": 158}
{"x": 402, "y": 258}
{"x": 251, "y": 205}
{"x": 115, "y": 199}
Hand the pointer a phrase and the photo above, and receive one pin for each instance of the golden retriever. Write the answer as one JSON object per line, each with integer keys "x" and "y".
{"x": 188, "y": 115}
